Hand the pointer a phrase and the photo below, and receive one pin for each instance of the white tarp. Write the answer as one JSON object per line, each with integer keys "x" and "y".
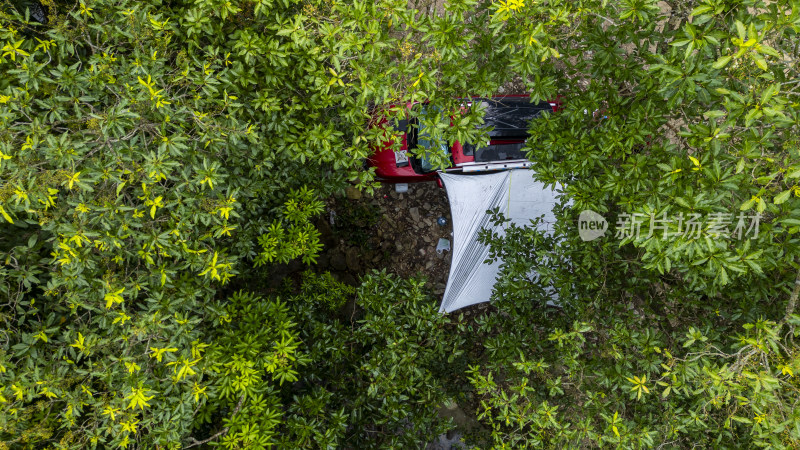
{"x": 518, "y": 196}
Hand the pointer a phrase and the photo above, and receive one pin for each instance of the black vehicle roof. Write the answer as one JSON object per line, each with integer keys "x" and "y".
{"x": 510, "y": 115}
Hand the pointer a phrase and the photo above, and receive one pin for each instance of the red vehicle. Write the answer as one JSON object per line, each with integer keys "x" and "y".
{"x": 509, "y": 117}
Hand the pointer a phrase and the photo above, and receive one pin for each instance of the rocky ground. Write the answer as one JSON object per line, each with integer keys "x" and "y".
{"x": 391, "y": 230}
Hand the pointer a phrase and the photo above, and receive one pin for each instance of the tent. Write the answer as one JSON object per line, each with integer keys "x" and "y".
{"x": 518, "y": 196}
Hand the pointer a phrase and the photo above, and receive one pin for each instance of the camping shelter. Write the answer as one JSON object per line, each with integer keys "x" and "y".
{"x": 518, "y": 196}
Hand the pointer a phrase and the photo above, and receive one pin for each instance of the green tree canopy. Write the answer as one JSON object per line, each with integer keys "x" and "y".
{"x": 157, "y": 159}
{"x": 669, "y": 333}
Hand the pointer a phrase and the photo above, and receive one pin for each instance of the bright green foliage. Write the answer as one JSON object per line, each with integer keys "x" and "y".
{"x": 374, "y": 377}
{"x": 254, "y": 353}
{"x": 298, "y": 238}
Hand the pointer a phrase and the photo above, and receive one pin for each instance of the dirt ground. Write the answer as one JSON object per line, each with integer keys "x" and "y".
{"x": 391, "y": 230}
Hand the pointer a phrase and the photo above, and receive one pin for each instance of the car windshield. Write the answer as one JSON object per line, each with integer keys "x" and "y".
{"x": 423, "y": 140}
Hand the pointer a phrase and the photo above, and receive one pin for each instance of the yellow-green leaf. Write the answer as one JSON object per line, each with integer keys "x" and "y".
{"x": 5, "y": 215}
{"x": 113, "y": 297}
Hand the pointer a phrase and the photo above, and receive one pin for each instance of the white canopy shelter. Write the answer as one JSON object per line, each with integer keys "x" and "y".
{"x": 518, "y": 196}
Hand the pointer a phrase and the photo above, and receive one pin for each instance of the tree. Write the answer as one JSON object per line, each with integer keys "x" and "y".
{"x": 676, "y": 335}
{"x": 151, "y": 153}
{"x": 157, "y": 158}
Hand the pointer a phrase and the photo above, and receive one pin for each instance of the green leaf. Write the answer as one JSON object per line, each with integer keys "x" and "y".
{"x": 701, "y": 9}
{"x": 767, "y": 50}
{"x": 741, "y": 30}
{"x": 761, "y": 205}
{"x": 722, "y": 62}
{"x": 751, "y": 116}
{"x": 761, "y": 62}
{"x": 769, "y": 92}
{"x": 740, "y": 165}
{"x": 783, "y": 196}
{"x": 766, "y": 179}
{"x": 714, "y": 114}
{"x": 748, "y": 204}
{"x": 5, "y": 215}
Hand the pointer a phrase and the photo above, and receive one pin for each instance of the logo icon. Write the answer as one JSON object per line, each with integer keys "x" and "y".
{"x": 591, "y": 225}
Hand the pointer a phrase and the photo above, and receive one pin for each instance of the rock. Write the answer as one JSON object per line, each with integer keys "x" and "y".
{"x": 414, "y": 213}
{"x": 449, "y": 441}
{"x": 326, "y": 233}
{"x": 451, "y": 410}
{"x": 279, "y": 272}
{"x": 338, "y": 261}
{"x": 422, "y": 252}
{"x": 429, "y": 265}
{"x": 345, "y": 277}
{"x": 348, "y": 309}
{"x": 426, "y": 206}
{"x": 323, "y": 261}
{"x": 352, "y": 259}
{"x": 352, "y": 193}
{"x": 348, "y": 278}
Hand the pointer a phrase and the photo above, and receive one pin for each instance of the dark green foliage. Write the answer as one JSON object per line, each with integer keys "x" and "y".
{"x": 355, "y": 221}
{"x": 680, "y": 340}
{"x": 377, "y": 365}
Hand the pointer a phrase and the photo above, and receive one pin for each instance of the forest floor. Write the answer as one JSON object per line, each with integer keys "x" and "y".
{"x": 388, "y": 230}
